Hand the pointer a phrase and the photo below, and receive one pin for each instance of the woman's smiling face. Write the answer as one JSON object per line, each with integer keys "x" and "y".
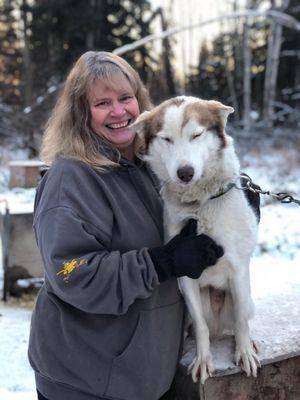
{"x": 112, "y": 111}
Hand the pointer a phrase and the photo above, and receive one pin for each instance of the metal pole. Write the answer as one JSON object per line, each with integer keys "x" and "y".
{"x": 5, "y": 235}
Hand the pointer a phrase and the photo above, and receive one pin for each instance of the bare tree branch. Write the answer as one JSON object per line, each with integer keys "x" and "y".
{"x": 281, "y": 18}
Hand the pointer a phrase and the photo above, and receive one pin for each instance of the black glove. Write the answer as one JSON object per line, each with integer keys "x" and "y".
{"x": 252, "y": 197}
{"x": 186, "y": 254}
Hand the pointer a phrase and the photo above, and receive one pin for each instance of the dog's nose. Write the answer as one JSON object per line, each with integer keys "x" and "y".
{"x": 186, "y": 173}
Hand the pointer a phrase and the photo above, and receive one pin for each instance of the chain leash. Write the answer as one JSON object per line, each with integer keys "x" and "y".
{"x": 250, "y": 185}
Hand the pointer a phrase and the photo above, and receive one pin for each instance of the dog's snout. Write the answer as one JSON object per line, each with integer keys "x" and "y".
{"x": 186, "y": 173}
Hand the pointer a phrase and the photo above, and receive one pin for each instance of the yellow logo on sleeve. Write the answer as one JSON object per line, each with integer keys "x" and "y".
{"x": 69, "y": 267}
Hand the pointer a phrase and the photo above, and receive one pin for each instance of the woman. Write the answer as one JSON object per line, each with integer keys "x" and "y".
{"x": 108, "y": 319}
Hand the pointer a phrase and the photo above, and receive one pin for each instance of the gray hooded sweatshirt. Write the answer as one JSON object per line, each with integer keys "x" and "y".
{"x": 103, "y": 326}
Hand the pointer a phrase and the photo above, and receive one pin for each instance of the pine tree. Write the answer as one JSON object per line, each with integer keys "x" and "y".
{"x": 11, "y": 55}
{"x": 61, "y": 30}
{"x": 131, "y": 21}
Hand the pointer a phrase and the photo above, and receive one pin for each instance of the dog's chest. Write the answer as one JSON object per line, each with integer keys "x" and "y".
{"x": 208, "y": 220}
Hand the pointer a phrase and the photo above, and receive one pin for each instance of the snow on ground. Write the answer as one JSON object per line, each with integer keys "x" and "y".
{"x": 279, "y": 244}
{"x": 19, "y": 200}
{"x": 16, "y": 377}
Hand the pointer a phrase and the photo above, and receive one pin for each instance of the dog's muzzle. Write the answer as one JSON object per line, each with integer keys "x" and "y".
{"x": 186, "y": 173}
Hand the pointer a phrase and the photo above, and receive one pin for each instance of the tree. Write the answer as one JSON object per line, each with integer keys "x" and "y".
{"x": 11, "y": 54}
{"x": 208, "y": 80}
{"x": 27, "y": 76}
{"x": 167, "y": 57}
{"x": 61, "y": 30}
{"x": 57, "y": 32}
{"x": 247, "y": 72}
{"x": 272, "y": 65}
{"x": 288, "y": 82}
{"x": 199, "y": 82}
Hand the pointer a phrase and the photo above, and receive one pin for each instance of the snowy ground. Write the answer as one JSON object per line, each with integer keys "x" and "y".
{"x": 16, "y": 377}
{"x": 279, "y": 244}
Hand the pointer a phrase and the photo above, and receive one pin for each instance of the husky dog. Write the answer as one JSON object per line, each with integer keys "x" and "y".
{"x": 188, "y": 149}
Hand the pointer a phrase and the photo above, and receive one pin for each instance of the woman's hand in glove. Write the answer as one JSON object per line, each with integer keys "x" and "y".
{"x": 187, "y": 254}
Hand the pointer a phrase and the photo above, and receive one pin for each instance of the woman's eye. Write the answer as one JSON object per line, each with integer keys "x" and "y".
{"x": 126, "y": 98}
{"x": 102, "y": 104}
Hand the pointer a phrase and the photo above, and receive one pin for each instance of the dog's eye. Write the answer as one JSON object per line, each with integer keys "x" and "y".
{"x": 196, "y": 135}
{"x": 166, "y": 139}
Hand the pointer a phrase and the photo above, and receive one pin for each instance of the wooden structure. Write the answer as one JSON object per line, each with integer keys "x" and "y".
{"x": 275, "y": 329}
{"x": 25, "y": 174}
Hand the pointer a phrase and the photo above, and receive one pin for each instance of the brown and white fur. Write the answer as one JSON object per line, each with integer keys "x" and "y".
{"x": 188, "y": 149}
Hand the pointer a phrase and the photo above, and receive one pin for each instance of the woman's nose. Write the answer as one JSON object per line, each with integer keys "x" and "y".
{"x": 118, "y": 109}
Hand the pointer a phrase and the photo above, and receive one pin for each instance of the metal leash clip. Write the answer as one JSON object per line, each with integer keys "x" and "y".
{"x": 282, "y": 196}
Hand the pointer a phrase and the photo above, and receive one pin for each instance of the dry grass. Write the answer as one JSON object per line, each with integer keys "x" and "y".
{"x": 26, "y": 301}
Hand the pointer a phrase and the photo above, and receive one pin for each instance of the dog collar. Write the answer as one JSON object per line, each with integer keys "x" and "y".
{"x": 222, "y": 192}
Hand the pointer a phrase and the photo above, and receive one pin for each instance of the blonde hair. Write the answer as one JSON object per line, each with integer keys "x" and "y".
{"x": 68, "y": 133}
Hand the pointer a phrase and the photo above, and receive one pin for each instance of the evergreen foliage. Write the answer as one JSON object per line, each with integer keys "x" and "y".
{"x": 11, "y": 54}
{"x": 64, "y": 29}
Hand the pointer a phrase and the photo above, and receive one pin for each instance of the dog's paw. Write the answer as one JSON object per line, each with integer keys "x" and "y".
{"x": 247, "y": 358}
{"x": 201, "y": 368}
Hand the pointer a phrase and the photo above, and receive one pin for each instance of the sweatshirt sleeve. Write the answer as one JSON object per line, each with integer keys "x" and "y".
{"x": 81, "y": 271}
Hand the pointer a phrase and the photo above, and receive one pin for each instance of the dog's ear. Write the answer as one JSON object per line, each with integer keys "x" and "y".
{"x": 139, "y": 124}
{"x": 223, "y": 110}
{"x": 146, "y": 126}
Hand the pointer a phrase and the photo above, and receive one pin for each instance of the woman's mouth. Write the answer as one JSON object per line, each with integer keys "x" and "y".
{"x": 119, "y": 125}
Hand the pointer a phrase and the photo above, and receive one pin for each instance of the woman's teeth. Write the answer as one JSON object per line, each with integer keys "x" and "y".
{"x": 118, "y": 126}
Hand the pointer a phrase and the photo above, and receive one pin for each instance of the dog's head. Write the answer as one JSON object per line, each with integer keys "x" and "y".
{"x": 181, "y": 135}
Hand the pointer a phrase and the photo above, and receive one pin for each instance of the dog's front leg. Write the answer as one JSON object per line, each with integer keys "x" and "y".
{"x": 246, "y": 352}
{"x": 202, "y": 364}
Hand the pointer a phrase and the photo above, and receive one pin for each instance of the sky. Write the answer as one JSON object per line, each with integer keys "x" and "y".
{"x": 187, "y": 13}
{"x": 190, "y": 12}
